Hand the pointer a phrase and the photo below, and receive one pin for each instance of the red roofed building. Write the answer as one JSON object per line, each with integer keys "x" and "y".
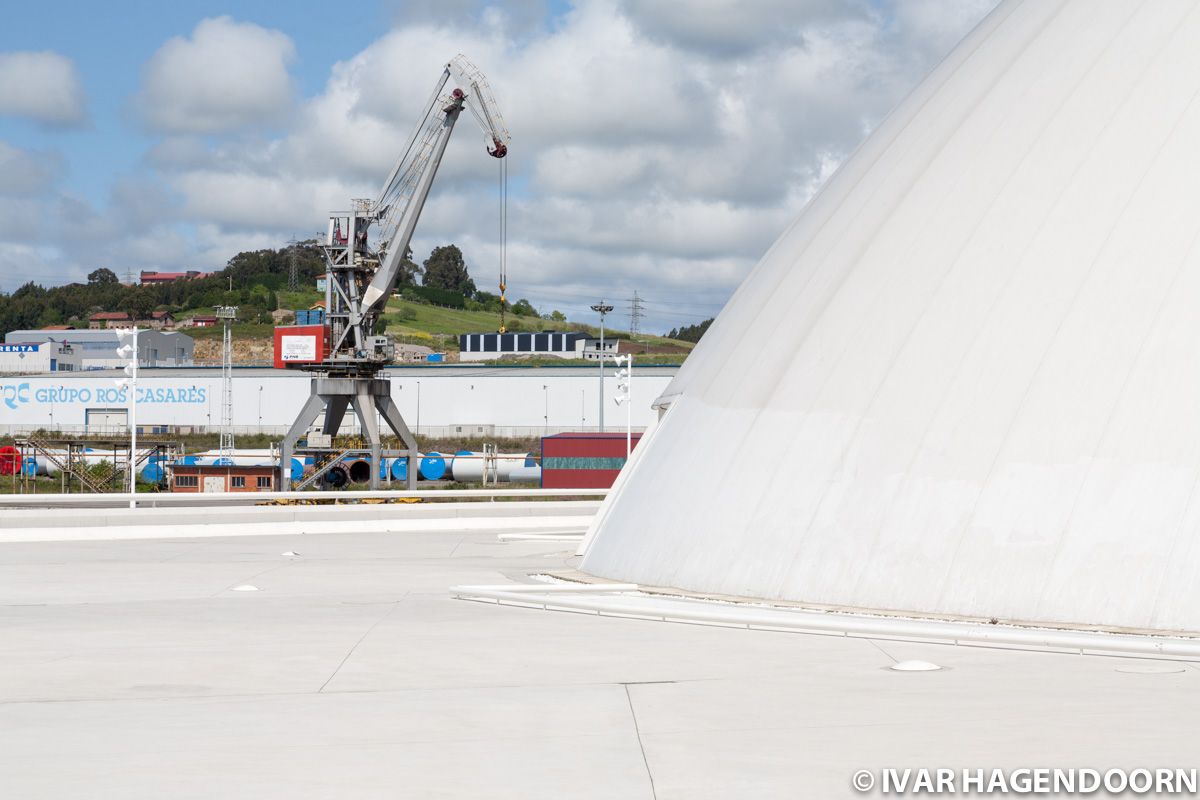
{"x": 199, "y": 321}
{"x": 109, "y": 319}
{"x": 160, "y": 320}
{"x": 150, "y": 276}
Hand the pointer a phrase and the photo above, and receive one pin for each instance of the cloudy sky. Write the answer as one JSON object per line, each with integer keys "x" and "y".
{"x": 657, "y": 146}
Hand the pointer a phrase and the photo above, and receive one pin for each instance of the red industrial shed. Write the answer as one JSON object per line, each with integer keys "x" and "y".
{"x": 222, "y": 478}
{"x": 583, "y": 460}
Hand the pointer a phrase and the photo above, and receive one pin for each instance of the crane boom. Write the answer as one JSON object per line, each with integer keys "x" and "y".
{"x": 362, "y": 278}
{"x": 398, "y": 229}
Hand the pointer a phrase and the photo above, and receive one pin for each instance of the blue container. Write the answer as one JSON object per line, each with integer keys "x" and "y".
{"x": 30, "y": 466}
{"x": 433, "y": 467}
{"x": 297, "y": 469}
{"x": 400, "y": 469}
{"x": 187, "y": 461}
{"x": 383, "y": 469}
{"x": 436, "y": 358}
{"x": 152, "y": 472}
{"x": 223, "y": 462}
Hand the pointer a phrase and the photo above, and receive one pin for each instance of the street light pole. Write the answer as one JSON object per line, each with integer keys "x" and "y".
{"x": 624, "y": 395}
{"x": 602, "y": 308}
{"x": 129, "y": 349}
{"x": 629, "y": 407}
{"x": 546, "y": 415}
{"x": 133, "y": 419}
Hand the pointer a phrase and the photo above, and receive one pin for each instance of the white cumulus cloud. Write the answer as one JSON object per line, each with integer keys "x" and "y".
{"x": 226, "y": 76}
{"x": 655, "y": 148}
{"x": 43, "y": 87}
{"x": 27, "y": 172}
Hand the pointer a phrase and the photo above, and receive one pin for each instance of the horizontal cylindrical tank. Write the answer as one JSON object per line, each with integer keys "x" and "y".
{"x": 10, "y": 460}
{"x": 336, "y": 477}
{"x": 247, "y": 457}
{"x": 359, "y": 470}
{"x": 297, "y": 471}
{"x": 432, "y": 467}
{"x": 526, "y": 474}
{"x": 400, "y": 469}
{"x": 468, "y": 467}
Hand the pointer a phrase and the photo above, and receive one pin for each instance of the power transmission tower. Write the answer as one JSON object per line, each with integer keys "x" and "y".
{"x": 293, "y": 267}
{"x": 129, "y": 276}
{"x": 636, "y": 313}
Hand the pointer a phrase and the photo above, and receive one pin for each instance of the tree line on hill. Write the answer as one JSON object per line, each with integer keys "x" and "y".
{"x": 250, "y": 280}
{"x": 690, "y": 333}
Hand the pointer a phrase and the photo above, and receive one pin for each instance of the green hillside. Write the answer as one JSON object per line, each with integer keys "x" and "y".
{"x": 439, "y": 327}
{"x": 434, "y": 313}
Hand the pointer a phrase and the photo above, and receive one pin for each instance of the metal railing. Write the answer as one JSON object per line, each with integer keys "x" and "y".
{"x": 472, "y": 431}
{"x": 179, "y": 499}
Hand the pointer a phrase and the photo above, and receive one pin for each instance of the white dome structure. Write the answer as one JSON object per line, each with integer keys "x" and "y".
{"x": 966, "y": 381}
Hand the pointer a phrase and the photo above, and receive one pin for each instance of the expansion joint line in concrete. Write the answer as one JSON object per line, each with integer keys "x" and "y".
{"x": 361, "y": 639}
{"x": 641, "y": 746}
{"x": 624, "y": 600}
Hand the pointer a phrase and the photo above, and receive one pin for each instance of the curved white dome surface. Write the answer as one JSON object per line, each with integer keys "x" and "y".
{"x": 967, "y": 379}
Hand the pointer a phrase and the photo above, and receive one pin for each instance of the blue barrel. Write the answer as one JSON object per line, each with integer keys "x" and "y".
{"x": 433, "y": 467}
{"x": 400, "y": 469}
{"x": 30, "y": 466}
{"x": 384, "y": 469}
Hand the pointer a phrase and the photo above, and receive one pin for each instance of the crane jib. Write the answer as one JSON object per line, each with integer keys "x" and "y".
{"x": 362, "y": 277}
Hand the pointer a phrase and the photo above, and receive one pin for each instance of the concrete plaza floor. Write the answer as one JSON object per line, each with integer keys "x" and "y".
{"x": 134, "y": 669}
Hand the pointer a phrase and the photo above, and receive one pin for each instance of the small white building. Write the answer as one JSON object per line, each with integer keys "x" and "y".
{"x": 590, "y": 350}
{"x": 493, "y": 346}
{"x": 97, "y": 349}
{"x": 30, "y": 358}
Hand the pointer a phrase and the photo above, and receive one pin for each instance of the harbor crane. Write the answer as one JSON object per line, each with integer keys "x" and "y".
{"x": 364, "y": 266}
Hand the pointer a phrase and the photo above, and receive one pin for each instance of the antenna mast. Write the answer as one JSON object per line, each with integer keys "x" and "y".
{"x": 293, "y": 267}
{"x": 227, "y": 314}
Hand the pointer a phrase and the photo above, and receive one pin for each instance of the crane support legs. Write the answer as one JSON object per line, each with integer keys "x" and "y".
{"x": 370, "y": 398}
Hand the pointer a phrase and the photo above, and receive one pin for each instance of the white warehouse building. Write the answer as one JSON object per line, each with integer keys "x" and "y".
{"x": 443, "y": 400}
{"x": 97, "y": 349}
{"x": 18, "y": 358}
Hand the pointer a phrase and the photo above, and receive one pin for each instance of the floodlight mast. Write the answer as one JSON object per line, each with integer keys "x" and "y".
{"x": 602, "y": 308}
{"x": 361, "y": 277}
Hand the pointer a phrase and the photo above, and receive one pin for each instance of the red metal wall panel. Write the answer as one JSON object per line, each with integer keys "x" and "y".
{"x": 579, "y": 478}
{"x": 583, "y": 460}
